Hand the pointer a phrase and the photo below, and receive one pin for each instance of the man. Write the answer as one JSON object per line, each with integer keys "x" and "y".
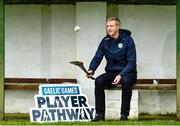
{"x": 119, "y": 50}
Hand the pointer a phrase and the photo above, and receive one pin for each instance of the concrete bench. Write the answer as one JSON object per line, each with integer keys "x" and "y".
{"x": 113, "y": 96}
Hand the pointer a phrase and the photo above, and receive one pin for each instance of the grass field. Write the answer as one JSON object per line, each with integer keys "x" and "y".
{"x": 23, "y": 119}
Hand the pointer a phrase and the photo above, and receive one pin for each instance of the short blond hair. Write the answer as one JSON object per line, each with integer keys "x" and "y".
{"x": 118, "y": 22}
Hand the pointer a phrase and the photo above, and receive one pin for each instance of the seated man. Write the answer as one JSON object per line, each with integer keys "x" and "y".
{"x": 119, "y": 50}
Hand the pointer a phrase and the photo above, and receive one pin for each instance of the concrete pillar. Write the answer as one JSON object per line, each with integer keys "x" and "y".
{"x": 112, "y": 10}
{"x": 46, "y": 41}
{"x": 178, "y": 58}
{"x": 1, "y": 61}
{"x": 91, "y": 17}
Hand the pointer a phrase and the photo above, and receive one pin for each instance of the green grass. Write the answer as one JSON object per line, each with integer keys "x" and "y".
{"x": 23, "y": 119}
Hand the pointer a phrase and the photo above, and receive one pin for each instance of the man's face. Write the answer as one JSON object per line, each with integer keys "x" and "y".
{"x": 112, "y": 28}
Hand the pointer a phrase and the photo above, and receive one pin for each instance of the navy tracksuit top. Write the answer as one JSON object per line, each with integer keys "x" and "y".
{"x": 120, "y": 54}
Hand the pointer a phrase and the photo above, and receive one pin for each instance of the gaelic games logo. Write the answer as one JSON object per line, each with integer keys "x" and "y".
{"x": 63, "y": 102}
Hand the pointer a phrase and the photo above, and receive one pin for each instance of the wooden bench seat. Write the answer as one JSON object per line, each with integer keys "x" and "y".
{"x": 147, "y": 84}
{"x": 150, "y": 87}
{"x": 32, "y": 83}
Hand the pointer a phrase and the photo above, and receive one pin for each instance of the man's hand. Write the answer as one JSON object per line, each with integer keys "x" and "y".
{"x": 117, "y": 80}
{"x": 90, "y": 74}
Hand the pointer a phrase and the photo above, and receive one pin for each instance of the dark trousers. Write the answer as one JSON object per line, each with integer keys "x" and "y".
{"x": 105, "y": 81}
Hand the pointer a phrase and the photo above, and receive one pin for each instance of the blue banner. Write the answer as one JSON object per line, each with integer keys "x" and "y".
{"x": 60, "y": 90}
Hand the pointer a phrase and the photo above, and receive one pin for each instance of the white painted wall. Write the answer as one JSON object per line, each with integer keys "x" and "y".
{"x": 22, "y": 41}
{"x": 40, "y": 41}
{"x": 35, "y": 47}
{"x": 154, "y": 31}
{"x": 63, "y": 41}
